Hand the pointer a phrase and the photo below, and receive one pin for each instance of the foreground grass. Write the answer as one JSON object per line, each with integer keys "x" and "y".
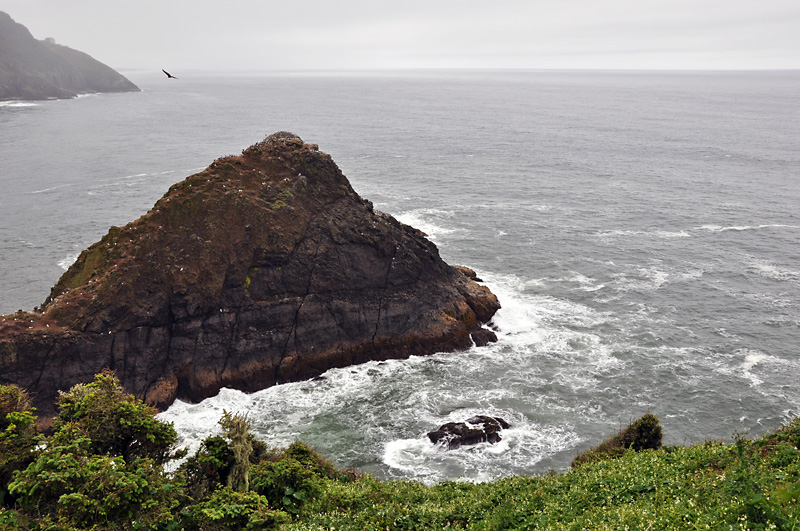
{"x": 103, "y": 469}
{"x": 745, "y": 485}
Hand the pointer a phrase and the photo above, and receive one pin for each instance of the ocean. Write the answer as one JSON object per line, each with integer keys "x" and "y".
{"x": 641, "y": 230}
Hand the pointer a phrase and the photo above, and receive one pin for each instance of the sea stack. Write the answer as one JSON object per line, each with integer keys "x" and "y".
{"x": 264, "y": 268}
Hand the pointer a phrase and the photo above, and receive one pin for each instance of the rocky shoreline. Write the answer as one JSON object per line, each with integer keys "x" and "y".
{"x": 264, "y": 268}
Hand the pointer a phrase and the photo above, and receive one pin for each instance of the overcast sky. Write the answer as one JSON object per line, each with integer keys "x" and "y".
{"x": 365, "y": 34}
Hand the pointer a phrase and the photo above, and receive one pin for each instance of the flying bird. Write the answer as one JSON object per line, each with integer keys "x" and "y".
{"x": 170, "y": 76}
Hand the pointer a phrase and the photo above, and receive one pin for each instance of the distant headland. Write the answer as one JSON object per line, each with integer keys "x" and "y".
{"x": 264, "y": 268}
{"x": 32, "y": 69}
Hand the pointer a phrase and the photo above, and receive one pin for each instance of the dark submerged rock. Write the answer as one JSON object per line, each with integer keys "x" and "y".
{"x": 483, "y": 336}
{"x": 264, "y": 268}
{"x": 478, "y": 429}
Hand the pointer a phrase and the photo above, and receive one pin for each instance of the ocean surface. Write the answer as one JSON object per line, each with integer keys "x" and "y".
{"x": 642, "y": 231}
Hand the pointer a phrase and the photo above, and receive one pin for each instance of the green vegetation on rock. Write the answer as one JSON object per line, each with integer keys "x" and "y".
{"x": 642, "y": 434}
{"x": 95, "y": 472}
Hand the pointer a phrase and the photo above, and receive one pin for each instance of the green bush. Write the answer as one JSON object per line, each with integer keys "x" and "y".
{"x": 116, "y": 423}
{"x": 312, "y": 460}
{"x": 102, "y": 467}
{"x": 227, "y": 509}
{"x": 642, "y": 434}
{"x": 225, "y": 459}
{"x": 208, "y": 468}
{"x": 18, "y": 436}
{"x": 236, "y": 429}
{"x": 286, "y": 483}
{"x": 788, "y": 434}
{"x": 70, "y": 485}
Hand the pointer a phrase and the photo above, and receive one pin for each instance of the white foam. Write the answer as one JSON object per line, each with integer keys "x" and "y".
{"x": 68, "y": 260}
{"x": 751, "y": 360}
{"x": 522, "y": 445}
{"x": 428, "y": 220}
{"x": 756, "y": 367}
{"x": 644, "y": 279}
{"x": 181, "y": 171}
{"x": 195, "y": 422}
{"x": 585, "y": 283}
{"x": 672, "y": 234}
{"x": 771, "y": 271}
{"x": 537, "y": 326}
{"x": 18, "y": 104}
{"x": 693, "y": 274}
{"x": 52, "y": 188}
{"x": 408, "y": 455}
{"x": 385, "y": 408}
{"x": 663, "y": 234}
{"x": 720, "y": 228}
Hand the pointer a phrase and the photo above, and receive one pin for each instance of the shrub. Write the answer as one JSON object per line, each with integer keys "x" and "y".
{"x": 70, "y": 485}
{"x": 208, "y": 468}
{"x": 18, "y": 435}
{"x": 223, "y": 460}
{"x": 788, "y": 434}
{"x": 236, "y": 429}
{"x": 312, "y": 460}
{"x": 642, "y": 434}
{"x": 286, "y": 483}
{"x": 116, "y": 423}
{"x": 227, "y": 509}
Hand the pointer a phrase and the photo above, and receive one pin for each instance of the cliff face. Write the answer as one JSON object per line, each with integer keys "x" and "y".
{"x": 37, "y": 70}
{"x": 264, "y": 268}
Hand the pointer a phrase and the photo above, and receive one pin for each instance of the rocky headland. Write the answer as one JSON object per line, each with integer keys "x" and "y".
{"x": 32, "y": 69}
{"x": 264, "y": 268}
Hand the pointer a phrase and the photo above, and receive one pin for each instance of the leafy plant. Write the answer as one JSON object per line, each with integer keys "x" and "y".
{"x": 236, "y": 429}
{"x": 69, "y": 484}
{"x": 228, "y": 509}
{"x": 286, "y": 483}
{"x": 115, "y": 422}
{"x": 224, "y": 459}
{"x": 642, "y": 434}
{"x": 18, "y": 436}
{"x": 208, "y": 468}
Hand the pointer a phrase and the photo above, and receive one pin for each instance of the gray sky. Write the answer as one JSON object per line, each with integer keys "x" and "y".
{"x": 363, "y": 34}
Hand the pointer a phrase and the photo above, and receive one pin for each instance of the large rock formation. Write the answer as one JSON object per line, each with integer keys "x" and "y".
{"x": 264, "y": 268}
{"x": 36, "y": 70}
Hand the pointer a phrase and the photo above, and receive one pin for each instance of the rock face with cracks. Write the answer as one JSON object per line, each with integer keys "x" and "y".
{"x": 264, "y": 268}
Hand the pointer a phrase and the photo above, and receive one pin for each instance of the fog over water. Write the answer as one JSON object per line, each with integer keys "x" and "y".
{"x": 182, "y": 35}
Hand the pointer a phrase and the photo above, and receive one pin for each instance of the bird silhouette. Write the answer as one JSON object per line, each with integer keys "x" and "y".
{"x": 170, "y": 76}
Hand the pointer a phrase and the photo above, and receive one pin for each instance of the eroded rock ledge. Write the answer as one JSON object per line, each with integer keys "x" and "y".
{"x": 264, "y": 268}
